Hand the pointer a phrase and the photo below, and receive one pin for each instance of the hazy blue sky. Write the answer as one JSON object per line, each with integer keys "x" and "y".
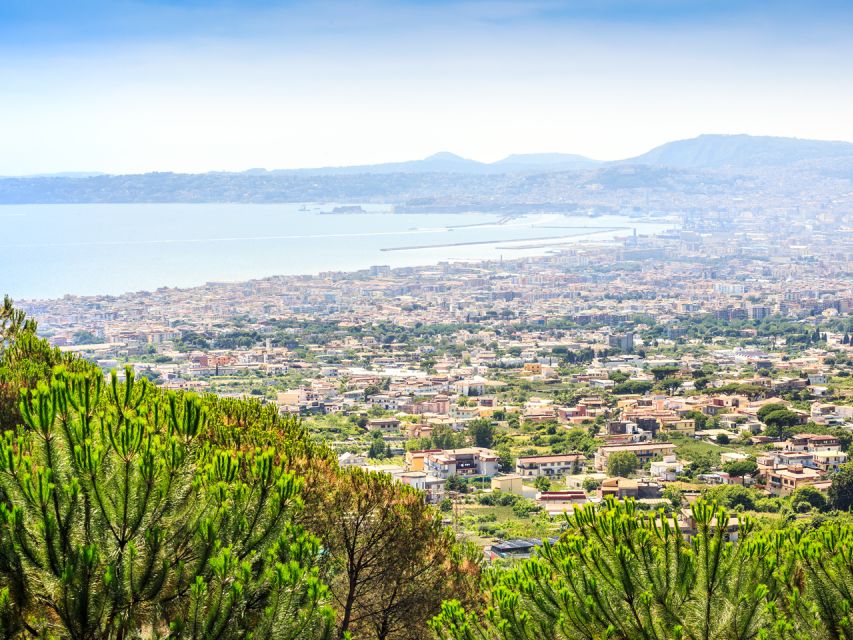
{"x": 126, "y": 86}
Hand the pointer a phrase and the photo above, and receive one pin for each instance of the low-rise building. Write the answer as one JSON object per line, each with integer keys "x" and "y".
{"x": 471, "y": 461}
{"x": 510, "y": 483}
{"x": 550, "y": 465}
{"x": 783, "y": 481}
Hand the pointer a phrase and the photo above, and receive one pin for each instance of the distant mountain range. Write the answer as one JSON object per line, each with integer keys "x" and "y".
{"x": 446, "y": 162}
{"x": 710, "y": 151}
{"x": 702, "y": 166}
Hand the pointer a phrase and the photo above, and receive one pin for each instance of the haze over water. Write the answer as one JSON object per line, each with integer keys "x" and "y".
{"x": 52, "y": 250}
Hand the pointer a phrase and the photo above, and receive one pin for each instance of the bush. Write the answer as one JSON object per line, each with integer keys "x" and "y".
{"x": 523, "y": 508}
{"x": 732, "y": 496}
{"x": 806, "y": 498}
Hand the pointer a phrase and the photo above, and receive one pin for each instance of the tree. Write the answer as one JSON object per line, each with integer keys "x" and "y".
{"x": 457, "y": 484}
{"x": 26, "y": 360}
{"x": 122, "y": 518}
{"x": 740, "y": 468}
{"x": 723, "y": 439}
{"x": 770, "y": 408}
{"x": 590, "y": 484}
{"x": 807, "y": 498}
{"x": 674, "y": 495}
{"x": 482, "y": 432}
{"x": 732, "y": 496}
{"x": 632, "y": 386}
{"x": 779, "y": 422}
{"x": 444, "y": 437}
{"x": 506, "y": 459}
{"x": 841, "y": 490}
{"x": 621, "y": 573}
{"x": 390, "y": 560}
{"x": 622, "y": 463}
{"x": 378, "y": 449}
{"x": 542, "y": 483}
{"x": 662, "y": 373}
{"x": 698, "y": 418}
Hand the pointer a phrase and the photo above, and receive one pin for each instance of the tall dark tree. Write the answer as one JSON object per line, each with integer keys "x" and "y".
{"x": 482, "y": 432}
{"x": 840, "y": 494}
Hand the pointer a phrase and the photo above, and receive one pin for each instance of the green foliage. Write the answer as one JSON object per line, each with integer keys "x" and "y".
{"x": 498, "y": 499}
{"x": 674, "y": 495}
{"x": 522, "y": 507}
{"x": 740, "y": 468}
{"x": 632, "y": 386}
{"x": 590, "y": 484}
{"x": 733, "y": 496}
{"x": 122, "y": 518}
{"x": 455, "y": 483}
{"x": 25, "y": 360}
{"x": 482, "y": 432}
{"x": 780, "y": 421}
{"x": 621, "y": 573}
{"x": 506, "y": 459}
{"x": 443, "y": 437}
{"x": 622, "y": 463}
{"x": 841, "y": 490}
{"x": 662, "y": 373}
{"x": 807, "y": 498}
{"x": 542, "y": 483}
{"x": 770, "y": 407}
{"x": 378, "y": 448}
{"x": 699, "y": 418}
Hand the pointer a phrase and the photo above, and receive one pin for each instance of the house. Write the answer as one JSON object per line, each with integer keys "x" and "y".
{"x": 550, "y": 465}
{"x": 556, "y": 502}
{"x": 812, "y": 442}
{"x": 432, "y": 487}
{"x": 619, "y": 488}
{"x": 385, "y": 425}
{"x": 351, "y": 460}
{"x": 666, "y": 469}
{"x": 510, "y": 483}
{"x": 415, "y": 459}
{"x": 622, "y": 488}
{"x": 387, "y": 402}
{"x": 783, "y": 481}
{"x": 827, "y": 461}
{"x": 471, "y": 461}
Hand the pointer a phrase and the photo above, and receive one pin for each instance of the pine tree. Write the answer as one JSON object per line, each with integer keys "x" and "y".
{"x": 120, "y": 518}
{"x": 620, "y": 573}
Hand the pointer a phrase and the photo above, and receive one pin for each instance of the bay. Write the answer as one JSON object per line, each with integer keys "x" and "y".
{"x": 47, "y": 251}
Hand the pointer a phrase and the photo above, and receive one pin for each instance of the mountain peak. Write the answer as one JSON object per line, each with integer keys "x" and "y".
{"x": 741, "y": 151}
{"x": 447, "y": 156}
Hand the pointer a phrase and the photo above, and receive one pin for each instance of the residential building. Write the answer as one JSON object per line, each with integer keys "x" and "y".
{"x": 550, "y": 465}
